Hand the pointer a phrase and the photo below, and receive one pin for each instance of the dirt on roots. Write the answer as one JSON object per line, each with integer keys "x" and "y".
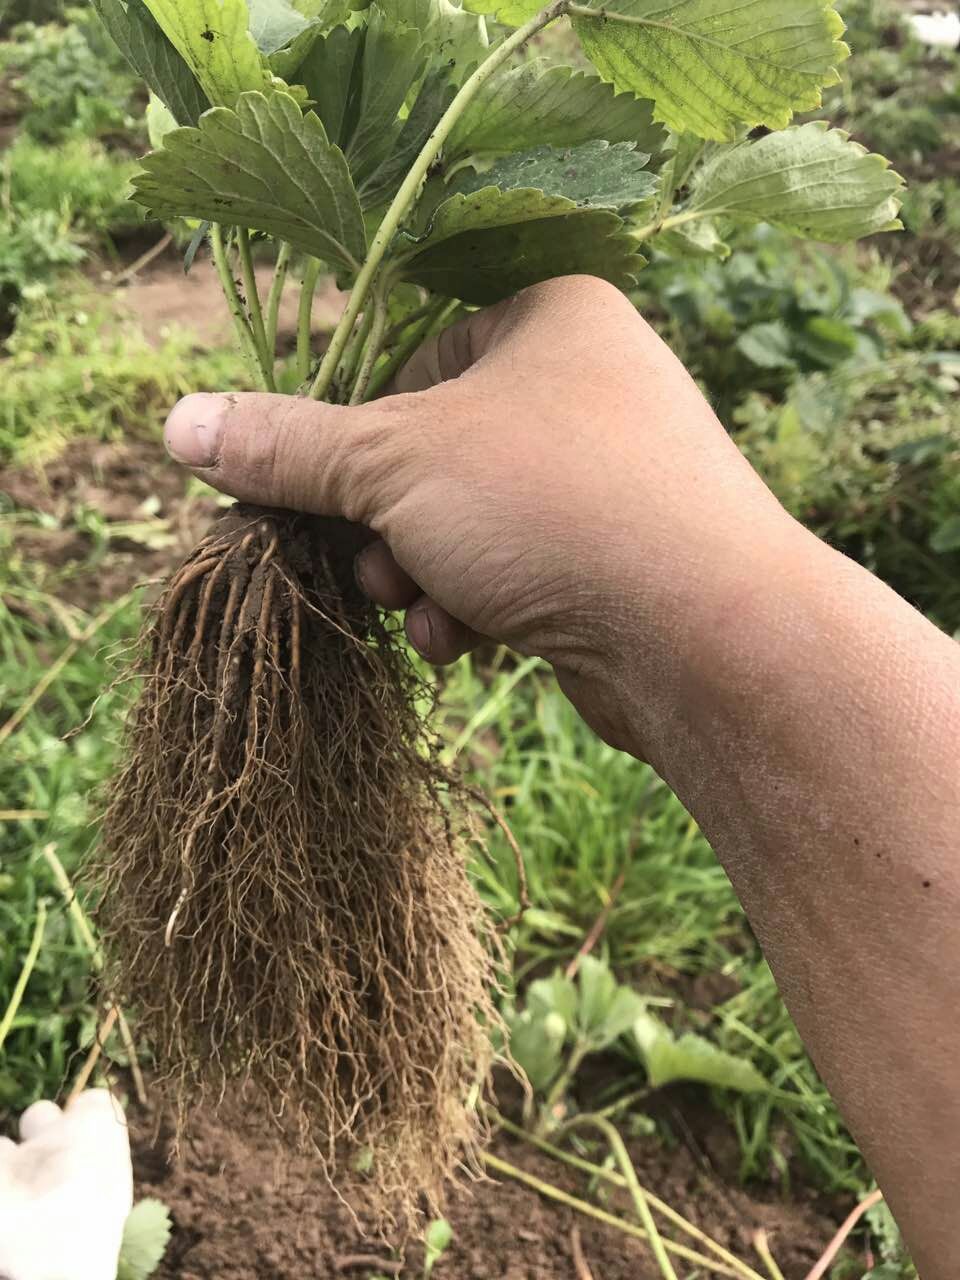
{"x": 286, "y": 904}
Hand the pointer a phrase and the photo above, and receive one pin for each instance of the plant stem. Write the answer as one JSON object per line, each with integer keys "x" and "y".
{"x": 352, "y": 354}
{"x": 276, "y": 297}
{"x": 412, "y": 184}
{"x": 28, "y": 965}
{"x": 639, "y": 1196}
{"x": 229, "y": 285}
{"x": 305, "y": 319}
{"x": 254, "y": 309}
{"x": 762, "y": 1246}
{"x": 608, "y": 1175}
{"x": 414, "y": 317}
{"x": 102, "y": 1035}
{"x": 432, "y": 321}
{"x": 664, "y": 224}
{"x": 546, "y": 1122}
{"x": 618, "y": 1180}
{"x": 838, "y": 1241}
{"x": 592, "y": 1211}
{"x": 371, "y": 355}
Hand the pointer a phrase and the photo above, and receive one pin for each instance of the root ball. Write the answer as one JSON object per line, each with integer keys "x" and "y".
{"x": 285, "y": 904}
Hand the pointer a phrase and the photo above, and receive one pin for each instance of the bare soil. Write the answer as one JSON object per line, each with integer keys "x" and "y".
{"x": 161, "y": 296}
{"x": 244, "y": 1210}
{"x": 137, "y": 492}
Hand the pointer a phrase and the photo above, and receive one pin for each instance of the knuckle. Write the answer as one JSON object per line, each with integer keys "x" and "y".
{"x": 383, "y": 449}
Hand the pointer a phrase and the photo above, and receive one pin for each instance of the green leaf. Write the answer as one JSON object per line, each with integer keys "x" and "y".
{"x": 593, "y": 175}
{"x": 810, "y": 180}
{"x": 332, "y": 75}
{"x": 274, "y": 24}
{"x": 768, "y": 346}
{"x": 828, "y": 341}
{"x": 607, "y": 1009}
{"x": 454, "y": 36}
{"x": 160, "y": 121}
{"x": 535, "y": 104}
{"x": 947, "y": 537}
{"x": 536, "y": 1045}
{"x": 393, "y": 61}
{"x": 359, "y": 80}
{"x": 598, "y": 987}
{"x": 436, "y": 94}
{"x": 553, "y": 995}
{"x": 145, "y": 1236}
{"x": 213, "y": 38}
{"x": 700, "y": 239}
{"x": 150, "y": 54}
{"x": 710, "y": 65}
{"x": 513, "y": 14}
{"x": 327, "y": 11}
{"x": 490, "y": 245}
{"x": 437, "y": 1239}
{"x": 265, "y": 165}
{"x": 691, "y": 1057}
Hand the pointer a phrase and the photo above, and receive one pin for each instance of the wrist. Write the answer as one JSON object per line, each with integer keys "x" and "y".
{"x": 687, "y": 656}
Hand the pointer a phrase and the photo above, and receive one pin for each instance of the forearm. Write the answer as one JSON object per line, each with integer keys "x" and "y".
{"x": 815, "y": 738}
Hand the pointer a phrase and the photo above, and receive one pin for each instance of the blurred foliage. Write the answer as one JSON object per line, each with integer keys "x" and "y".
{"x": 79, "y": 180}
{"x": 42, "y": 773}
{"x": 871, "y": 462}
{"x": 13, "y": 12}
{"x": 773, "y": 310}
{"x": 73, "y": 368}
{"x": 70, "y": 80}
{"x": 34, "y": 247}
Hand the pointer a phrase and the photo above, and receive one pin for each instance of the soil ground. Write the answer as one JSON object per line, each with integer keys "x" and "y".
{"x": 160, "y": 296}
{"x": 242, "y": 1209}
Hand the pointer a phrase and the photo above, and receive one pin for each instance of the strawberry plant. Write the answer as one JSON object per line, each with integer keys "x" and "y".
{"x": 287, "y": 906}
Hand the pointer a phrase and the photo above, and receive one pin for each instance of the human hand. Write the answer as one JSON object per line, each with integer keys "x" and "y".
{"x": 66, "y": 1190}
{"x": 547, "y": 474}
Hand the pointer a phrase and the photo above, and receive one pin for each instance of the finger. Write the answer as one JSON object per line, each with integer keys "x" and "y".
{"x": 8, "y": 1149}
{"x": 436, "y": 635}
{"x": 288, "y": 451}
{"x": 382, "y": 579}
{"x": 38, "y": 1118}
{"x": 451, "y": 353}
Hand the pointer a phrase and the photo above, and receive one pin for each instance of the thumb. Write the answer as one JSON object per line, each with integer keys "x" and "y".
{"x": 289, "y": 451}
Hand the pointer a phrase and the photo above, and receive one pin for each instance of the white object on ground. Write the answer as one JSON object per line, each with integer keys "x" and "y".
{"x": 941, "y": 30}
{"x": 65, "y": 1191}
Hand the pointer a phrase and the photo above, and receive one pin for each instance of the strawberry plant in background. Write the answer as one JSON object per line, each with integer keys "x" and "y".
{"x": 410, "y": 149}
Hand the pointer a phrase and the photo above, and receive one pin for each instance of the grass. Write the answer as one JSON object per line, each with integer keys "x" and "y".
{"x": 76, "y": 367}
{"x": 52, "y": 780}
{"x": 81, "y": 181}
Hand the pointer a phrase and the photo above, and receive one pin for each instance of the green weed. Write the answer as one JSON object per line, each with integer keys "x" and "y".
{"x": 74, "y": 367}
{"x": 85, "y": 185}
{"x": 47, "y": 784}
{"x": 872, "y": 464}
{"x": 34, "y": 248}
{"x": 70, "y": 80}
